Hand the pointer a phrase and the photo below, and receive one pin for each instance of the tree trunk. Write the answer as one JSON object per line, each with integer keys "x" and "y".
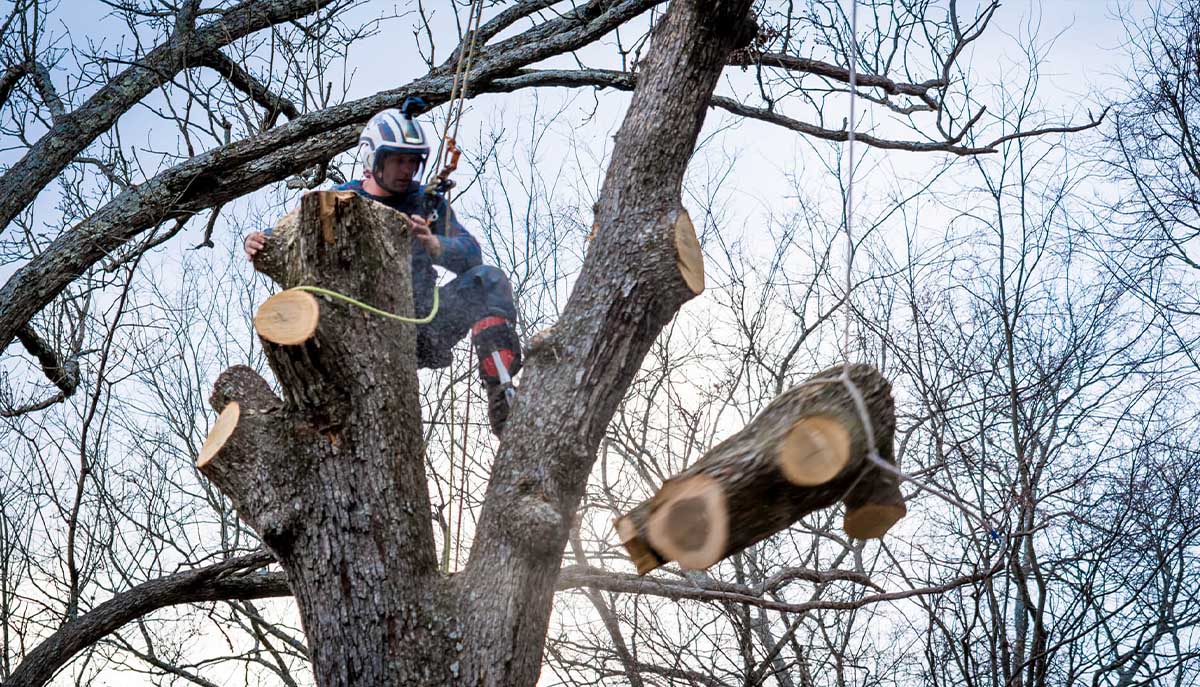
{"x": 806, "y": 451}
{"x": 331, "y": 476}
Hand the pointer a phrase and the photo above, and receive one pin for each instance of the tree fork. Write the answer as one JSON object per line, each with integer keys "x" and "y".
{"x": 806, "y": 451}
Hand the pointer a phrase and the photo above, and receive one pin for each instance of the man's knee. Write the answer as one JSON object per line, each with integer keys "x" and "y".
{"x": 494, "y": 289}
{"x": 488, "y": 278}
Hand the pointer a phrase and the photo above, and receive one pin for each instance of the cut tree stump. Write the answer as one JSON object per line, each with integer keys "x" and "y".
{"x": 806, "y": 451}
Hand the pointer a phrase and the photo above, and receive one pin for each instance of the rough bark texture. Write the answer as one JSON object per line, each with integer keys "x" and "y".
{"x": 332, "y": 476}
{"x": 759, "y": 499}
{"x": 629, "y": 288}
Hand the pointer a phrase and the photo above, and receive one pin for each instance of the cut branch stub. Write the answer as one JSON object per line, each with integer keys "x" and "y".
{"x": 814, "y": 451}
{"x": 691, "y": 522}
{"x": 872, "y": 507}
{"x": 288, "y": 318}
{"x": 806, "y": 451}
{"x": 221, "y": 429}
{"x": 687, "y": 247}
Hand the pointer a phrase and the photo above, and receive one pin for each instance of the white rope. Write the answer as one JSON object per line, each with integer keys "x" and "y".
{"x": 852, "y": 389}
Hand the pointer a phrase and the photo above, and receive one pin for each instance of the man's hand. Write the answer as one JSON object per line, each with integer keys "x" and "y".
{"x": 254, "y": 243}
{"x": 422, "y": 233}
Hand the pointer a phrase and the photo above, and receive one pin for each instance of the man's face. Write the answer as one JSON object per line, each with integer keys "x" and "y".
{"x": 395, "y": 172}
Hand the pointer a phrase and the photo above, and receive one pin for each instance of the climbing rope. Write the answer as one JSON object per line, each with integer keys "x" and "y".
{"x": 372, "y": 309}
{"x": 447, "y": 163}
{"x": 852, "y": 388}
{"x": 447, "y": 147}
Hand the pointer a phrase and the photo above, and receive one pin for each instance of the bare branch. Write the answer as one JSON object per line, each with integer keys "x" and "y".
{"x": 245, "y": 82}
{"x": 230, "y": 579}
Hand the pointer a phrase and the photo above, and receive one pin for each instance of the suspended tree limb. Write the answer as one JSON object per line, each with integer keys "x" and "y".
{"x": 806, "y": 451}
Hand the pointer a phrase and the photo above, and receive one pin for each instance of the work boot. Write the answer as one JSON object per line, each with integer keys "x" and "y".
{"x": 499, "y": 353}
{"x": 498, "y": 407}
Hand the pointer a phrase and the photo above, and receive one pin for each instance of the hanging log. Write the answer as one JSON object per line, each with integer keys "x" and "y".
{"x": 806, "y": 451}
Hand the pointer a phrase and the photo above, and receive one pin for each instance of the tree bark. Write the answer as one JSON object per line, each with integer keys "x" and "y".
{"x": 806, "y": 451}
{"x": 332, "y": 475}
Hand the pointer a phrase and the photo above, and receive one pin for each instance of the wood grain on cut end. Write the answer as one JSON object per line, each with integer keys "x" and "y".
{"x": 814, "y": 451}
{"x": 288, "y": 318}
{"x": 639, "y": 551}
{"x": 226, "y": 422}
{"x": 872, "y": 520}
{"x": 690, "y": 522}
{"x": 687, "y": 248}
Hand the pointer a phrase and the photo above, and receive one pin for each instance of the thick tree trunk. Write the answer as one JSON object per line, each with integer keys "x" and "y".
{"x": 640, "y": 269}
{"x": 332, "y": 477}
{"x": 806, "y": 451}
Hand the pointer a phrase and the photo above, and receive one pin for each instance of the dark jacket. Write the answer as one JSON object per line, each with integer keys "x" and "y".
{"x": 460, "y": 250}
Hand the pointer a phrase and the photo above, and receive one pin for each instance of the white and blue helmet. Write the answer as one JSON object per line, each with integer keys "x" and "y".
{"x": 391, "y": 131}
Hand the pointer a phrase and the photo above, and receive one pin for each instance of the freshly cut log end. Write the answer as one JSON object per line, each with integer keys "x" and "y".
{"x": 814, "y": 451}
{"x": 873, "y": 520}
{"x": 690, "y": 522}
{"x": 288, "y": 318}
{"x": 639, "y": 551}
{"x": 690, "y": 257}
{"x": 226, "y": 422}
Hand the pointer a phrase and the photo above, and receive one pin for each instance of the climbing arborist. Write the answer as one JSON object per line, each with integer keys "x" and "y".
{"x": 393, "y": 150}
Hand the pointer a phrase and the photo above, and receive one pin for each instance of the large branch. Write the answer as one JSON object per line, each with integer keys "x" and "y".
{"x": 63, "y": 372}
{"x": 230, "y": 579}
{"x": 245, "y": 82}
{"x": 627, "y": 81}
{"x": 643, "y": 264}
{"x": 75, "y": 130}
{"x": 806, "y": 65}
{"x": 242, "y": 578}
{"x": 573, "y": 577}
{"x": 237, "y": 169}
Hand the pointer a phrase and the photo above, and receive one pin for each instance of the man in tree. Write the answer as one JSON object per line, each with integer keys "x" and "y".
{"x": 393, "y": 150}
